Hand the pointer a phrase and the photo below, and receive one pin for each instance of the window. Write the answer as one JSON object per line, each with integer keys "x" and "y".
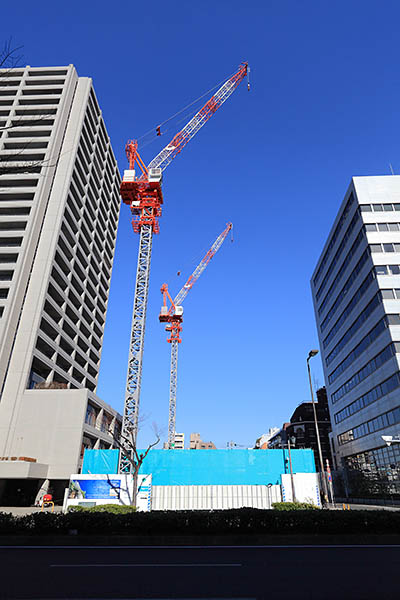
{"x": 373, "y": 334}
{"x": 6, "y": 275}
{"x": 387, "y": 294}
{"x": 91, "y": 415}
{"x": 383, "y": 227}
{"x": 377, "y": 207}
{"x": 381, "y": 270}
{"x": 370, "y": 227}
{"x": 394, "y": 269}
{"x": 339, "y": 251}
{"x": 375, "y": 248}
{"x": 370, "y": 367}
{"x": 393, "y": 319}
{"x": 354, "y": 328}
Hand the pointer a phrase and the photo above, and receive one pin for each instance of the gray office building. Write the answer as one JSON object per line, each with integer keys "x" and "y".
{"x": 356, "y": 293}
{"x": 59, "y": 210}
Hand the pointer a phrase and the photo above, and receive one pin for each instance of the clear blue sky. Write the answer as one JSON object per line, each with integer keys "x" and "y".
{"x": 324, "y": 107}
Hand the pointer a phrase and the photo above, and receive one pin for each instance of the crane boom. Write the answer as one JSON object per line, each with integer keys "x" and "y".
{"x": 167, "y": 154}
{"x": 174, "y": 317}
{"x": 181, "y": 295}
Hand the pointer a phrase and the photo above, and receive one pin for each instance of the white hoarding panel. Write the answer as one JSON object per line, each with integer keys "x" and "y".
{"x": 213, "y": 497}
{"x": 91, "y": 490}
{"x": 306, "y": 488}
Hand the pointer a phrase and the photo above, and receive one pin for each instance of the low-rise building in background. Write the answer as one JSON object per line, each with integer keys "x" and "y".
{"x": 196, "y": 443}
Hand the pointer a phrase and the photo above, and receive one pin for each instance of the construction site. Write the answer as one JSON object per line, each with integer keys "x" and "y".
{"x": 50, "y": 414}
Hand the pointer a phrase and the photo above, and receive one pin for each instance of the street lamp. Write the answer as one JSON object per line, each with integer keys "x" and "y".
{"x": 324, "y": 486}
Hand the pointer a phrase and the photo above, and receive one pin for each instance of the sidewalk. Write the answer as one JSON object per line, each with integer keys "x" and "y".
{"x": 20, "y": 511}
{"x": 339, "y": 506}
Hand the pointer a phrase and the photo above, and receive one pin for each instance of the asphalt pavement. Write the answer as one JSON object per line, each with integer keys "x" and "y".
{"x": 260, "y": 572}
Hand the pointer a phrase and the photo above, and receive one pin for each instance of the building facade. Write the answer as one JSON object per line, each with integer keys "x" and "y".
{"x": 356, "y": 293}
{"x": 59, "y": 210}
{"x": 301, "y": 429}
{"x": 196, "y": 443}
{"x": 179, "y": 443}
{"x": 263, "y": 440}
{"x": 302, "y": 432}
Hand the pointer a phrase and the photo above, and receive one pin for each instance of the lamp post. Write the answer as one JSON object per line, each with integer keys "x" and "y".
{"x": 321, "y": 463}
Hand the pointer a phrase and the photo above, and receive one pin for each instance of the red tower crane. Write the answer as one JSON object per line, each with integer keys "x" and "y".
{"x": 173, "y": 316}
{"x": 142, "y": 192}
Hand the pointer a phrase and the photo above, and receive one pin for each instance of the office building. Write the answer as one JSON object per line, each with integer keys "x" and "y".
{"x": 302, "y": 432}
{"x": 59, "y": 210}
{"x": 356, "y": 293}
{"x": 263, "y": 440}
{"x": 196, "y": 443}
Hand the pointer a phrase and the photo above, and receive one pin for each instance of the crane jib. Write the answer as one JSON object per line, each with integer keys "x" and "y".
{"x": 164, "y": 158}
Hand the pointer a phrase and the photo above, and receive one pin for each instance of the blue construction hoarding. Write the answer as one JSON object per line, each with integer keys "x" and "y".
{"x": 208, "y": 467}
{"x": 224, "y": 467}
{"x": 100, "y": 462}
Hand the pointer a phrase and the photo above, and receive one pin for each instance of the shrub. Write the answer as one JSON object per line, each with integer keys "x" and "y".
{"x": 240, "y": 521}
{"x": 115, "y": 509}
{"x": 294, "y": 506}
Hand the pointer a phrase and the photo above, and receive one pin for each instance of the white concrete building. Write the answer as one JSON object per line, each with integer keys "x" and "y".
{"x": 356, "y": 292}
{"x": 179, "y": 443}
{"x": 58, "y": 223}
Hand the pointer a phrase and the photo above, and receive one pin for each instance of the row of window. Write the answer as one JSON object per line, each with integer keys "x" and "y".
{"x": 354, "y": 327}
{"x": 372, "y": 365}
{"x": 351, "y": 305}
{"x": 379, "y": 207}
{"x": 379, "y": 391}
{"x": 338, "y": 254}
{"x": 345, "y": 289}
{"x": 360, "y": 237}
{"x": 91, "y": 419}
{"x": 387, "y": 269}
{"x": 41, "y": 371}
{"x": 391, "y": 294}
{"x": 386, "y": 458}
{"x": 376, "y": 248}
{"x": 367, "y": 340}
{"x": 381, "y": 422}
{"x": 382, "y": 227}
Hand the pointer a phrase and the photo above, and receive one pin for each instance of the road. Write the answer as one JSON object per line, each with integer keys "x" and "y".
{"x": 300, "y": 572}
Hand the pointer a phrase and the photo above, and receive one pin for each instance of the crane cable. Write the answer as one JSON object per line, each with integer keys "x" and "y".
{"x": 182, "y": 110}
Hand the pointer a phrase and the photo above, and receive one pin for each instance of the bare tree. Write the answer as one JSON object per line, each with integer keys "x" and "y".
{"x": 18, "y": 162}
{"x": 127, "y": 446}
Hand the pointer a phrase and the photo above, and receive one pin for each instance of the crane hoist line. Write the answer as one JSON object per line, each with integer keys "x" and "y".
{"x": 141, "y": 190}
{"x": 173, "y": 316}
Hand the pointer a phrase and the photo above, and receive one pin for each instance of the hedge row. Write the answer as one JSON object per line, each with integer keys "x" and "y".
{"x": 237, "y": 521}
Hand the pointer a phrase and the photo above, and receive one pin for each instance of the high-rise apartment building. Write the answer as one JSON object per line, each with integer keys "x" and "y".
{"x": 356, "y": 292}
{"x": 59, "y": 209}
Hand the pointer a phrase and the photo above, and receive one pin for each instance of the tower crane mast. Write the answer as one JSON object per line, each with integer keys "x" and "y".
{"x": 173, "y": 316}
{"x": 142, "y": 192}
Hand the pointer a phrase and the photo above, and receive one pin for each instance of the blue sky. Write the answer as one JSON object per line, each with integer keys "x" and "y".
{"x": 324, "y": 106}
